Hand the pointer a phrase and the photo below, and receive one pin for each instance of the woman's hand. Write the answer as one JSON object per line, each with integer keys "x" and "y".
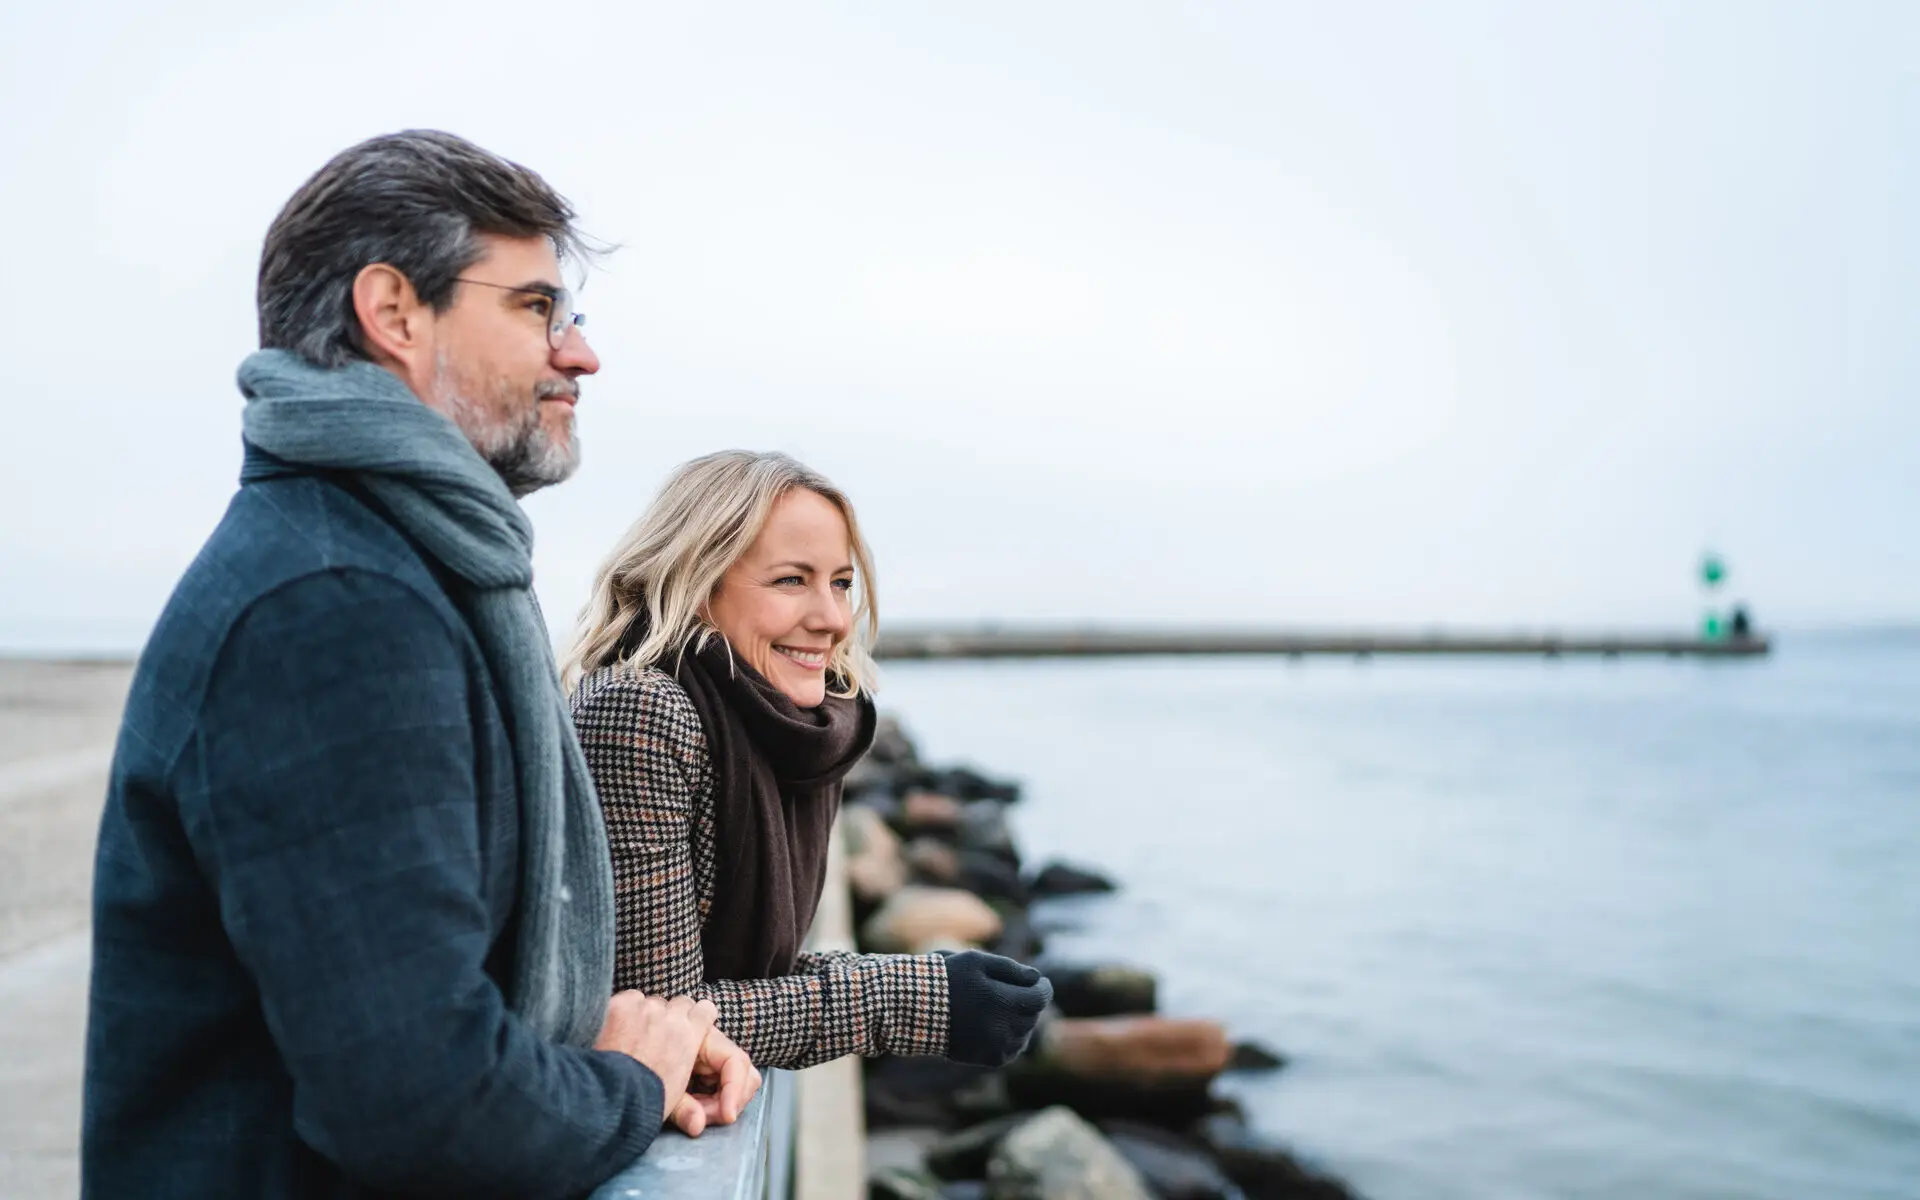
{"x": 724, "y": 1080}
{"x": 992, "y": 1006}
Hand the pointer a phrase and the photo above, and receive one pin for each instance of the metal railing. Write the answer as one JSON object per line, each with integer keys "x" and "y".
{"x": 774, "y": 1151}
{"x": 751, "y": 1159}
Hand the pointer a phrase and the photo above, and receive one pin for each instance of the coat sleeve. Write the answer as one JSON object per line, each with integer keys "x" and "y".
{"x": 648, "y": 754}
{"x": 330, "y": 795}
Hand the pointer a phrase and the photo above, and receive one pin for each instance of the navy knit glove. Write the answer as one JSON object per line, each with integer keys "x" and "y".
{"x": 992, "y": 1005}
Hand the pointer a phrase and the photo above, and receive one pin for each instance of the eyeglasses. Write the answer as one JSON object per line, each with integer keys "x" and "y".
{"x": 560, "y": 314}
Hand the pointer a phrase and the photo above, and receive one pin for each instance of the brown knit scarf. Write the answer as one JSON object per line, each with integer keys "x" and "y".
{"x": 777, "y": 769}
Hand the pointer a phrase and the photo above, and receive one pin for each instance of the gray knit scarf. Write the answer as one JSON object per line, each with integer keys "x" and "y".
{"x": 363, "y": 421}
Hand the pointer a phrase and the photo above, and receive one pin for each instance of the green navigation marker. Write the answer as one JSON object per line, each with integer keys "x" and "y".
{"x": 1713, "y": 569}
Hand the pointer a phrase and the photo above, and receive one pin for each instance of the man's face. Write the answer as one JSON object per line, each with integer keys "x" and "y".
{"x": 495, "y": 372}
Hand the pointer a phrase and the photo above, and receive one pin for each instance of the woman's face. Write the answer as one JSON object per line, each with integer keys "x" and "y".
{"x": 789, "y": 600}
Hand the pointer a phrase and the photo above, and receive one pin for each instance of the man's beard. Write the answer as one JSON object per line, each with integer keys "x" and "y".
{"x": 517, "y": 446}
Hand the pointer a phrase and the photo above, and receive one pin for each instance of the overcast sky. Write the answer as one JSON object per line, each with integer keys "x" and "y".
{"x": 1326, "y": 314}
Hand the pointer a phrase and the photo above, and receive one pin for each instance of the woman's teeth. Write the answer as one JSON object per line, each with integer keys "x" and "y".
{"x": 813, "y": 660}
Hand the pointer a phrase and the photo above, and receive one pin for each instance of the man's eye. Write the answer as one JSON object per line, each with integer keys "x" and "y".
{"x": 541, "y": 305}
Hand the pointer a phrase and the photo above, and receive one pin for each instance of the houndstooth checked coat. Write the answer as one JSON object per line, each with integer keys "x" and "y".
{"x": 650, "y": 764}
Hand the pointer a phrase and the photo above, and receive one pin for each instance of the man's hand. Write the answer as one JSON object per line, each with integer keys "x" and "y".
{"x": 666, "y": 1036}
{"x": 724, "y": 1080}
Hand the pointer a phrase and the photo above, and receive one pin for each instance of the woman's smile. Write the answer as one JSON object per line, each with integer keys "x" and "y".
{"x": 812, "y": 660}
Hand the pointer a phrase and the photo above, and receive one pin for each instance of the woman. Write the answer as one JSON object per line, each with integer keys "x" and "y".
{"x": 722, "y": 691}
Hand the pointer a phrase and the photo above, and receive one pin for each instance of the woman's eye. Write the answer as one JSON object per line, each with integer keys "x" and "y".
{"x": 787, "y": 579}
{"x": 845, "y": 585}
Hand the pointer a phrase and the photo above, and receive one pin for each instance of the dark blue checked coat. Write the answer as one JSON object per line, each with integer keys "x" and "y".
{"x": 305, "y": 889}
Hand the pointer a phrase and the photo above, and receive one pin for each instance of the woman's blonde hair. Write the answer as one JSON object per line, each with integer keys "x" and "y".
{"x": 670, "y": 562}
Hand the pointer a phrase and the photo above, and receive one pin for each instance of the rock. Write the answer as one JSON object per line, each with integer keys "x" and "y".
{"x": 929, "y": 810}
{"x": 919, "y": 1091}
{"x": 969, "y": 784}
{"x": 1143, "y": 1068}
{"x": 1061, "y": 879}
{"x": 903, "y": 1147}
{"x": 1171, "y": 1105}
{"x": 915, "y": 919}
{"x": 867, "y": 775}
{"x": 1136, "y": 1049}
{"x": 1108, "y": 990}
{"x": 983, "y": 1099}
{"x": 964, "y": 1155}
{"x": 983, "y": 826}
{"x": 893, "y": 1183}
{"x": 1057, "y": 918}
{"x": 1017, "y": 938}
{"x": 891, "y": 745}
{"x": 1058, "y": 1156}
{"x": 990, "y": 876}
{"x": 876, "y": 867}
{"x": 1176, "y": 1168}
{"x": 1265, "y": 1169}
{"x": 934, "y": 861}
{"x": 1252, "y": 1056}
{"x": 881, "y": 802}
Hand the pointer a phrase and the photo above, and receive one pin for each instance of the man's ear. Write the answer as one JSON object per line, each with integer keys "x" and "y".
{"x": 395, "y": 327}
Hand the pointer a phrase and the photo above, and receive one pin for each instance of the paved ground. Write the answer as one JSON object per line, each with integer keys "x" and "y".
{"x": 57, "y": 724}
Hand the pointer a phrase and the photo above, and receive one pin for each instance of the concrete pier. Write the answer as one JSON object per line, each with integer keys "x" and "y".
{"x": 57, "y": 724}
{"x": 1063, "y": 642}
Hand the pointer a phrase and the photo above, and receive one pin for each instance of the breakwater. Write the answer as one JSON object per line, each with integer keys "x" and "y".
{"x": 1113, "y": 1099}
{"x": 996, "y": 642}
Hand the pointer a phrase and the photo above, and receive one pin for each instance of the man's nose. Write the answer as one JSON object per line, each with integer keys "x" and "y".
{"x": 574, "y": 356}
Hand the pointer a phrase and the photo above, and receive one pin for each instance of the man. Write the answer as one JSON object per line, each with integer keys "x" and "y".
{"x": 352, "y": 907}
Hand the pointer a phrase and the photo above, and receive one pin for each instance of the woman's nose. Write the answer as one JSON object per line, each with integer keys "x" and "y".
{"x": 829, "y": 615}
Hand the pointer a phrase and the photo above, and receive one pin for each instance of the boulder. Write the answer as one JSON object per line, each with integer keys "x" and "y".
{"x": 920, "y": 1091}
{"x": 920, "y": 809}
{"x": 1265, "y": 1169}
{"x": 1058, "y": 1156}
{"x": 916, "y": 919}
{"x": 1174, "y": 1105}
{"x": 896, "y": 1183}
{"x": 933, "y": 861}
{"x": 991, "y": 876}
{"x": 1062, "y": 879}
{"x": 876, "y": 868}
{"x": 1142, "y": 1068}
{"x": 891, "y": 745}
{"x": 866, "y": 776}
{"x": 983, "y": 826}
{"x": 1176, "y": 1168}
{"x": 964, "y": 1155}
{"x": 1106, "y": 990}
{"x": 903, "y": 1147}
{"x": 880, "y": 801}
{"x": 1252, "y": 1056}
{"x": 1017, "y": 938}
{"x": 1136, "y": 1049}
{"x": 969, "y": 784}
{"x": 982, "y": 1099}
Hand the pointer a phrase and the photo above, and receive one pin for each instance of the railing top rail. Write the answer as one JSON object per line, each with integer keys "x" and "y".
{"x": 727, "y": 1162}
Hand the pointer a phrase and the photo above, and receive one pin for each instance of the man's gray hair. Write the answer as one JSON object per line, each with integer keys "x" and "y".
{"x": 414, "y": 200}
